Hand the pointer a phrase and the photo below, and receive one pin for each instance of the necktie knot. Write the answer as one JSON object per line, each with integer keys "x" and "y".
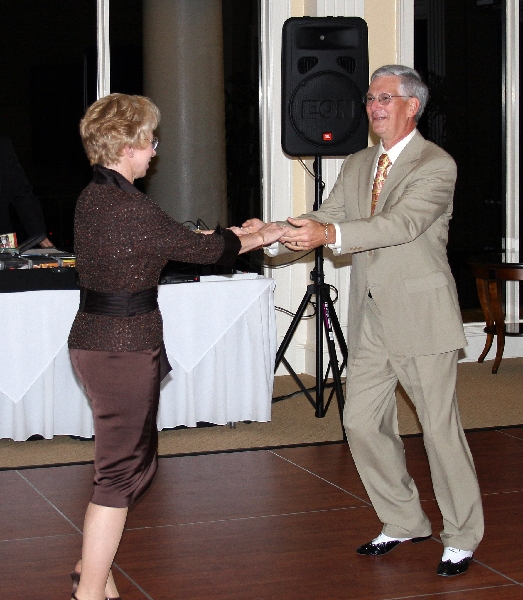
{"x": 384, "y": 163}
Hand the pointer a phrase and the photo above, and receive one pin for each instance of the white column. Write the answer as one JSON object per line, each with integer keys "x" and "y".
{"x": 276, "y": 168}
{"x": 511, "y": 77}
{"x": 103, "y": 51}
{"x": 405, "y": 33}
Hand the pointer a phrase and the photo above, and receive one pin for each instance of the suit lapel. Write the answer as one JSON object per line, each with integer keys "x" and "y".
{"x": 404, "y": 163}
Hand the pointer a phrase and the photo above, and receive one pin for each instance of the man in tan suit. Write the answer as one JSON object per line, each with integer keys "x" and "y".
{"x": 404, "y": 319}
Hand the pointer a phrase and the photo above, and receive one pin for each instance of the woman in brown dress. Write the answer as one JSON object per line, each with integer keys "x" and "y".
{"x": 122, "y": 242}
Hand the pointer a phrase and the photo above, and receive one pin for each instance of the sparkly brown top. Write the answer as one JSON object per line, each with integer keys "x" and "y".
{"x": 122, "y": 242}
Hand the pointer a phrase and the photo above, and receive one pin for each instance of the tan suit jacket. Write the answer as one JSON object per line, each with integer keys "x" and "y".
{"x": 399, "y": 254}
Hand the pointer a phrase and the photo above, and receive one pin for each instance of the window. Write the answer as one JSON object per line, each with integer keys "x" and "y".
{"x": 47, "y": 51}
{"x": 459, "y": 52}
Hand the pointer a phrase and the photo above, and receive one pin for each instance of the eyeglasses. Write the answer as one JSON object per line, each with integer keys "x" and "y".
{"x": 154, "y": 142}
{"x": 384, "y": 99}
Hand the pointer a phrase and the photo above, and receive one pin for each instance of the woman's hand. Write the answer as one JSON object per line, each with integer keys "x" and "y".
{"x": 252, "y": 225}
{"x": 239, "y": 231}
{"x": 267, "y": 234}
{"x": 271, "y": 232}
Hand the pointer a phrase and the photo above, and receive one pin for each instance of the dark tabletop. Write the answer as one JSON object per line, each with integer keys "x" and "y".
{"x": 501, "y": 259}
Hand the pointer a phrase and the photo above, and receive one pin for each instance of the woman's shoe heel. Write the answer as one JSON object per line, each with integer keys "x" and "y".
{"x": 75, "y": 576}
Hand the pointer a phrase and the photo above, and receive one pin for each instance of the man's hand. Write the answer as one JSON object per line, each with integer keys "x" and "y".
{"x": 305, "y": 234}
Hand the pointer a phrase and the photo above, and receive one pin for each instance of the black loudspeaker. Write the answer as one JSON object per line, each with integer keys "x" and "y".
{"x": 325, "y": 74}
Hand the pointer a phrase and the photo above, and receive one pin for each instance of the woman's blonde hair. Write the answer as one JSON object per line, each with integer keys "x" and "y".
{"x": 114, "y": 122}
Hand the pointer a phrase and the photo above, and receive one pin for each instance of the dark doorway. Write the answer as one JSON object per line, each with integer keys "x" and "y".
{"x": 459, "y": 53}
{"x": 46, "y": 49}
{"x": 241, "y": 42}
{"x": 241, "y": 74}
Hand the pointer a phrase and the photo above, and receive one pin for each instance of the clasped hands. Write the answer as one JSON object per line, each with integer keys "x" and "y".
{"x": 299, "y": 235}
{"x": 262, "y": 234}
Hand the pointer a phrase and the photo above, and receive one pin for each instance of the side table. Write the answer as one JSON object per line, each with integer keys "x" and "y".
{"x": 490, "y": 271}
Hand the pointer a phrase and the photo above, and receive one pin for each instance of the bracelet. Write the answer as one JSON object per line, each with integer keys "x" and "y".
{"x": 326, "y": 234}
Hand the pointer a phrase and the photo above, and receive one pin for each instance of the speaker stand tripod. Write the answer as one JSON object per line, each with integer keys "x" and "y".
{"x": 326, "y": 322}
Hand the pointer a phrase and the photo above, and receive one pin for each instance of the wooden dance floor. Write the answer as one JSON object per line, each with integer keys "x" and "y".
{"x": 277, "y": 524}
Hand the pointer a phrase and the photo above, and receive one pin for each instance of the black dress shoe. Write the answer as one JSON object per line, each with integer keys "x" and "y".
{"x": 449, "y": 569}
{"x": 372, "y": 549}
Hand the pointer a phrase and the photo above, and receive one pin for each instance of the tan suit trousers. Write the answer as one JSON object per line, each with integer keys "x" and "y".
{"x": 371, "y": 424}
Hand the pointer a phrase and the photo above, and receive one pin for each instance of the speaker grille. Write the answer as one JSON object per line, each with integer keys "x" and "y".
{"x": 347, "y": 62}
{"x": 326, "y": 109}
{"x": 306, "y": 63}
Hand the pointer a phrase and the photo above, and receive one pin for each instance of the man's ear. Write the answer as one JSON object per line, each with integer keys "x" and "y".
{"x": 414, "y": 105}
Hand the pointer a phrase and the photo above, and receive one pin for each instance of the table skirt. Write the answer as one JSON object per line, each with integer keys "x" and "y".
{"x": 220, "y": 337}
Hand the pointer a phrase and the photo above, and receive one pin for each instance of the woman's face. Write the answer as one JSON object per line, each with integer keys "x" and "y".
{"x": 141, "y": 158}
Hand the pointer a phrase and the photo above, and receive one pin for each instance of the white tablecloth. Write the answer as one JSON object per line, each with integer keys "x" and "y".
{"x": 220, "y": 336}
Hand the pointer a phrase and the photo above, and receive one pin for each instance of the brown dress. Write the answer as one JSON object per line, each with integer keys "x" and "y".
{"x": 122, "y": 242}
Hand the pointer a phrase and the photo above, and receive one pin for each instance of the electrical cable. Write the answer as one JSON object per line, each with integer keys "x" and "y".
{"x": 313, "y": 304}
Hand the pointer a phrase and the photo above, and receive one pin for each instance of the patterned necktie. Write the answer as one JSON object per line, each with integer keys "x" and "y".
{"x": 381, "y": 174}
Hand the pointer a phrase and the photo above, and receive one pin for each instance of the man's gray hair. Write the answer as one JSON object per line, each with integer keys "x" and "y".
{"x": 410, "y": 84}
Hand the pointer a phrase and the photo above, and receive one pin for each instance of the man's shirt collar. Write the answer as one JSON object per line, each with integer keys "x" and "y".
{"x": 395, "y": 151}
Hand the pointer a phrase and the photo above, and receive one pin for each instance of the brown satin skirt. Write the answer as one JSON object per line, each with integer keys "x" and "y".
{"x": 124, "y": 390}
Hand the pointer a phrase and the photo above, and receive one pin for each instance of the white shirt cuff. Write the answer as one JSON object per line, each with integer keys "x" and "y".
{"x": 273, "y": 249}
{"x": 336, "y": 247}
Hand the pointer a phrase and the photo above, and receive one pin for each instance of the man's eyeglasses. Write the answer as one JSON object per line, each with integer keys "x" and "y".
{"x": 154, "y": 142}
{"x": 383, "y": 99}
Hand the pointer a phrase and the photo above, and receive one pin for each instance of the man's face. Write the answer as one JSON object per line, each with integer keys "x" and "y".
{"x": 395, "y": 120}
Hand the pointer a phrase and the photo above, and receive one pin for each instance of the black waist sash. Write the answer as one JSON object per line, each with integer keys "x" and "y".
{"x": 124, "y": 304}
{"x": 118, "y": 304}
